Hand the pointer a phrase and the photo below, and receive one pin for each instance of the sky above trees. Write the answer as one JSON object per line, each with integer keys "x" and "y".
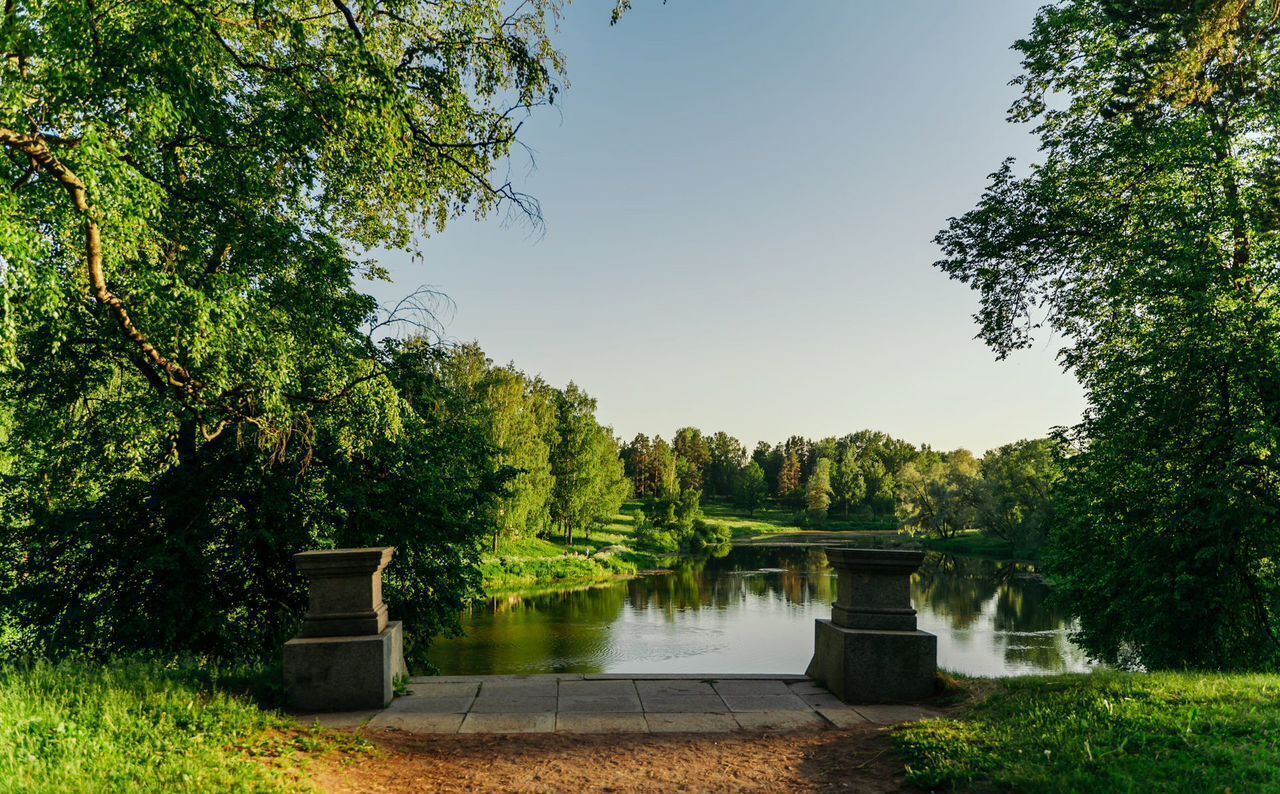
{"x": 739, "y": 203}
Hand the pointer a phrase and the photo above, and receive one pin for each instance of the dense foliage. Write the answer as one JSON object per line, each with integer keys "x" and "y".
{"x": 865, "y": 478}
{"x": 190, "y": 372}
{"x": 1146, "y": 240}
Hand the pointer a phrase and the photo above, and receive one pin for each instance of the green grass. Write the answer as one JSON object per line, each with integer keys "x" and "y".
{"x": 143, "y": 726}
{"x": 973, "y": 543}
{"x": 521, "y": 563}
{"x": 1106, "y": 732}
{"x": 771, "y": 519}
{"x": 606, "y": 552}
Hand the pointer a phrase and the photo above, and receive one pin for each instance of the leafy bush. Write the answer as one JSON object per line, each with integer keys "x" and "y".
{"x": 653, "y": 538}
{"x": 706, "y": 533}
{"x": 195, "y": 555}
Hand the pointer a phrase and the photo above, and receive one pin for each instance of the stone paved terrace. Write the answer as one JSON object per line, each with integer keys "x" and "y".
{"x": 619, "y": 704}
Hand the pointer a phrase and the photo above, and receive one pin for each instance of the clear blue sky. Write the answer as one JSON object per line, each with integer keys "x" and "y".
{"x": 740, "y": 201}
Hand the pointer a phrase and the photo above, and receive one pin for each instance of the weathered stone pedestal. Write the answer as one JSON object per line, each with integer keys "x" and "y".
{"x": 870, "y": 650}
{"x": 347, "y": 654}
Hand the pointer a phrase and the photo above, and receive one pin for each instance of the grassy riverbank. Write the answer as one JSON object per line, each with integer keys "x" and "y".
{"x": 972, "y": 543}
{"x": 1105, "y": 732}
{"x": 141, "y": 726}
{"x": 611, "y": 551}
{"x": 604, "y": 553}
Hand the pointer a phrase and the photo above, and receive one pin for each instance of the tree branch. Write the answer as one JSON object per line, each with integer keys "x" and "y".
{"x": 351, "y": 19}
{"x": 35, "y": 147}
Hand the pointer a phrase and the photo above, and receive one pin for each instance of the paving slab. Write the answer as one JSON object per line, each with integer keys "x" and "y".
{"x": 494, "y": 704}
{"x": 444, "y": 688}
{"x": 601, "y": 723}
{"x": 787, "y": 702}
{"x": 822, "y": 700}
{"x": 751, "y": 688}
{"x": 892, "y": 715}
{"x": 674, "y": 687}
{"x": 843, "y": 717}
{"x": 427, "y": 704}
{"x": 613, "y": 688}
{"x": 592, "y": 704}
{"x": 691, "y": 723}
{"x": 544, "y": 688}
{"x": 544, "y": 722}
{"x": 780, "y": 720}
{"x": 573, "y": 703}
{"x": 674, "y": 704}
{"x": 411, "y": 722}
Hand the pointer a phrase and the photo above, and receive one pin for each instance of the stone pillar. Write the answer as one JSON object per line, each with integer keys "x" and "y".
{"x": 870, "y": 651}
{"x": 348, "y": 653}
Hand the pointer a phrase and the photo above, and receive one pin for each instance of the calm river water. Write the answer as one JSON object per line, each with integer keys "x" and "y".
{"x": 752, "y": 611}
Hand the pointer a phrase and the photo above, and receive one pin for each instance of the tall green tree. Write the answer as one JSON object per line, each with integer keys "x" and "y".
{"x": 1014, "y": 498}
{"x": 190, "y": 192}
{"x": 848, "y": 486}
{"x": 693, "y": 457}
{"x": 817, "y": 495}
{"x": 752, "y": 488}
{"x": 524, "y": 432}
{"x": 936, "y": 493}
{"x": 771, "y": 459}
{"x": 1146, "y": 240}
{"x": 790, "y": 478}
{"x": 727, "y": 455}
{"x": 590, "y": 481}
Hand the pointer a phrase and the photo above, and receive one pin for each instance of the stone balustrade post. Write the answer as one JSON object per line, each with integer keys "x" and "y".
{"x": 347, "y": 654}
{"x": 871, "y": 651}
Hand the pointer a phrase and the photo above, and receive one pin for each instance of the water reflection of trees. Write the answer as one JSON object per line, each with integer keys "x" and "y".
{"x": 959, "y": 588}
{"x": 797, "y": 576}
{"x": 545, "y": 632}
{"x": 966, "y": 590}
{"x": 570, "y": 629}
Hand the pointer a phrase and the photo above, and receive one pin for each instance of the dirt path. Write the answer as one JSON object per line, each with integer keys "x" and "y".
{"x": 831, "y": 760}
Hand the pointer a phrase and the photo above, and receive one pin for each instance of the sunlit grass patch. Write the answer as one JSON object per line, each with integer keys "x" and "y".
{"x": 144, "y": 726}
{"x": 604, "y": 552}
{"x": 1107, "y": 732}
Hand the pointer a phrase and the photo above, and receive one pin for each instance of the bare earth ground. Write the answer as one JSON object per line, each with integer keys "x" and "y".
{"x": 857, "y": 759}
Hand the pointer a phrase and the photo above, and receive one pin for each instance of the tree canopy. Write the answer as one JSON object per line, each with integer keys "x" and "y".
{"x": 1145, "y": 239}
{"x": 197, "y": 384}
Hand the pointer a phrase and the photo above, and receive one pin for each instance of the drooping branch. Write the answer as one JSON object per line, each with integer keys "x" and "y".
{"x": 36, "y": 148}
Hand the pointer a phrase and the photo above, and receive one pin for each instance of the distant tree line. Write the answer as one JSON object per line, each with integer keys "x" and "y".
{"x": 866, "y": 476}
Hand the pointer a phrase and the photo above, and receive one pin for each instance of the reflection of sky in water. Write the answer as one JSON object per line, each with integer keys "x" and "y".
{"x": 753, "y": 612}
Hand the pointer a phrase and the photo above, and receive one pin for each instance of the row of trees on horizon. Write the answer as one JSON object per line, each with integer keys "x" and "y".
{"x": 869, "y": 476}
